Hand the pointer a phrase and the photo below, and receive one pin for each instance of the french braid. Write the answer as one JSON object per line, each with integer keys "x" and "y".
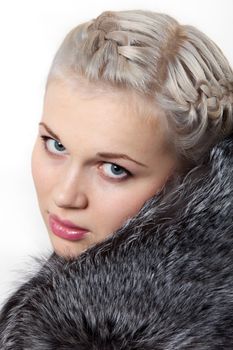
{"x": 177, "y": 66}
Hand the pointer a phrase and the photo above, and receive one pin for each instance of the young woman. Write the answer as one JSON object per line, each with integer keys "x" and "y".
{"x": 132, "y": 98}
{"x": 134, "y": 103}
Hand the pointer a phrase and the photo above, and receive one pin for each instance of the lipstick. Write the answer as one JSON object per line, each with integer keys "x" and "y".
{"x": 66, "y": 229}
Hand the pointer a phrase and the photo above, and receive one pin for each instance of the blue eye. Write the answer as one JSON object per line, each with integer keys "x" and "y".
{"x": 110, "y": 170}
{"x": 114, "y": 171}
{"x": 52, "y": 145}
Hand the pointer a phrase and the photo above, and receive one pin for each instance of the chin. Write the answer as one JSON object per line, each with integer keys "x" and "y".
{"x": 66, "y": 249}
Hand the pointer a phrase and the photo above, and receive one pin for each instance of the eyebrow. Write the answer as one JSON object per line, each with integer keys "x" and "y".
{"x": 108, "y": 155}
{"x": 50, "y": 131}
{"x": 118, "y": 155}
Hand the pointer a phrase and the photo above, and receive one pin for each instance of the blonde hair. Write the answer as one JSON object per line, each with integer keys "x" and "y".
{"x": 177, "y": 66}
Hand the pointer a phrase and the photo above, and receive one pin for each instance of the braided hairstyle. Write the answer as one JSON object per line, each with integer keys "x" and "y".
{"x": 176, "y": 66}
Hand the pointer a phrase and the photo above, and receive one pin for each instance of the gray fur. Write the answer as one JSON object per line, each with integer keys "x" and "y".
{"x": 164, "y": 281}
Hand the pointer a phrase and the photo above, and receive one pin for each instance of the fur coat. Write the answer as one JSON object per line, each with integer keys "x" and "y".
{"x": 163, "y": 281}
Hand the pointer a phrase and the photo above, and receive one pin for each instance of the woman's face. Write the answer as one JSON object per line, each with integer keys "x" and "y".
{"x": 95, "y": 163}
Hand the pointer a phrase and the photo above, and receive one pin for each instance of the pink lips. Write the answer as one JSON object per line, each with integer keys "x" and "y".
{"x": 66, "y": 229}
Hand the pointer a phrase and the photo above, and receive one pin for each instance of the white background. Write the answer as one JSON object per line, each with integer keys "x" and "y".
{"x": 30, "y": 32}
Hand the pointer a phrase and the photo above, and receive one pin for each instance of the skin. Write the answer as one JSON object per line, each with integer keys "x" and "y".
{"x": 75, "y": 183}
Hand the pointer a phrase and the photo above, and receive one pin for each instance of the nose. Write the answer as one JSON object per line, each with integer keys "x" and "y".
{"x": 70, "y": 191}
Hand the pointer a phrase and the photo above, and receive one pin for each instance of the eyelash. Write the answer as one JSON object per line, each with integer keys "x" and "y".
{"x": 45, "y": 139}
{"x": 128, "y": 173}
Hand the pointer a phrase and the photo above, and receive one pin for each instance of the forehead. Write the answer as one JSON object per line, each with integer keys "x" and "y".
{"x": 140, "y": 105}
{"x": 118, "y": 117}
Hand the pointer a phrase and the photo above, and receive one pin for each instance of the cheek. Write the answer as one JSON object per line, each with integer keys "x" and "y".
{"x": 119, "y": 207}
{"x": 39, "y": 171}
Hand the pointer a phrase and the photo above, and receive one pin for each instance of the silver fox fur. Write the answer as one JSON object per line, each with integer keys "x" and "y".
{"x": 164, "y": 281}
